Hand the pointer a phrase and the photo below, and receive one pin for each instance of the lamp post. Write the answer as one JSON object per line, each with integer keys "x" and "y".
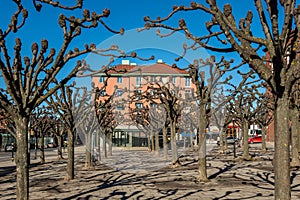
{"x": 12, "y": 151}
{"x": 35, "y": 144}
{"x": 234, "y": 149}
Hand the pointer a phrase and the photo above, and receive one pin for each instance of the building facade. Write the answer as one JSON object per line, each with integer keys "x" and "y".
{"x": 128, "y": 79}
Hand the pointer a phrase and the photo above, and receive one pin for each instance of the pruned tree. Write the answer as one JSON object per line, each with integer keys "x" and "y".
{"x": 42, "y": 123}
{"x": 243, "y": 106}
{"x": 104, "y": 110}
{"x": 149, "y": 118}
{"x": 219, "y": 118}
{"x": 279, "y": 68}
{"x": 209, "y": 76}
{"x": 87, "y": 122}
{"x": 295, "y": 124}
{"x": 169, "y": 97}
{"x": 264, "y": 115}
{"x": 29, "y": 81}
{"x": 67, "y": 106}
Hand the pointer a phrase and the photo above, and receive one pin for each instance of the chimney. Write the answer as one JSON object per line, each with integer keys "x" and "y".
{"x": 125, "y": 62}
{"x": 159, "y": 61}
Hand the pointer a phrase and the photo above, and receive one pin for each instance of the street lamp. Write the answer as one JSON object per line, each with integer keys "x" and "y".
{"x": 12, "y": 151}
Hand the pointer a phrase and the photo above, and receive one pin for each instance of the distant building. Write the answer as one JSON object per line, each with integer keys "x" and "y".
{"x": 129, "y": 78}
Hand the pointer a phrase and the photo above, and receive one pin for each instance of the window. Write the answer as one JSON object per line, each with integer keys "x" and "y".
{"x": 138, "y": 81}
{"x": 164, "y": 80}
{"x": 119, "y": 80}
{"x": 139, "y": 105}
{"x": 188, "y": 94}
{"x": 153, "y": 78}
{"x": 120, "y": 107}
{"x": 138, "y": 94}
{"x": 119, "y": 92}
{"x": 102, "y": 93}
{"x": 153, "y": 105}
{"x": 188, "y": 81}
{"x": 174, "y": 79}
{"x": 102, "y": 79}
{"x": 153, "y": 92}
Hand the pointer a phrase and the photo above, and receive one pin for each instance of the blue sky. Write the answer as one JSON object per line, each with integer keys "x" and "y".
{"x": 127, "y": 14}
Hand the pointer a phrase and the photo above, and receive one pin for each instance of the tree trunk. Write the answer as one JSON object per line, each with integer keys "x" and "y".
{"x": 152, "y": 142}
{"x": 165, "y": 142}
{"x": 222, "y": 136}
{"x": 295, "y": 137}
{"x": 192, "y": 140}
{"x": 246, "y": 155}
{"x": 70, "y": 166}
{"x": 110, "y": 144}
{"x": 157, "y": 143}
{"x": 263, "y": 135}
{"x": 184, "y": 140}
{"x": 173, "y": 142}
{"x": 99, "y": 146}
{"x": 104, "y": 145}
{"x": 88, "y": 150}
{"x": 22, "y": 159}
{"x": 282, "y": 149}
{"x": 149, "y": 142}
{"x": 42, "y": 149}
{"x": 59, "y": 147}
{"x": 225, "y": 140}
{"x": 202, "y": 171}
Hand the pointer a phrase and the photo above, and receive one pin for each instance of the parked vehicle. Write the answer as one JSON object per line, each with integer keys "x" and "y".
{"x": 255, "y": 139}
{"x": 51, "y": 145}
{"x": 230, "y": 140}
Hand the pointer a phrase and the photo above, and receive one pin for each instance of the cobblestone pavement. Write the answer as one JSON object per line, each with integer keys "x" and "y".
{"x": 139, "y": 174}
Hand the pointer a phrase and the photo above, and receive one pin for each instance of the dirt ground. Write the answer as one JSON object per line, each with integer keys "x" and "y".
{"x": 139, "y": 174}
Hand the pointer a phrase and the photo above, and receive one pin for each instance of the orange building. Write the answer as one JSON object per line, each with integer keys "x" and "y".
{"x": 127, "y": 79}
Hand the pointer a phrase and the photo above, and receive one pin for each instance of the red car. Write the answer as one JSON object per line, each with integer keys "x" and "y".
{"x": 255, "y": 139}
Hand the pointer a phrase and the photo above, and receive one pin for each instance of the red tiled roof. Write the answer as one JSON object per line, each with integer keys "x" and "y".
{"x": 157, "y": 68}
{"x": 160, "y": 68}
{"x": 121, "y": 69}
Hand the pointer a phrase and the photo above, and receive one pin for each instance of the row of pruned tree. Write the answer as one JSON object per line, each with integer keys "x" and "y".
{"x": 278, "y": 36}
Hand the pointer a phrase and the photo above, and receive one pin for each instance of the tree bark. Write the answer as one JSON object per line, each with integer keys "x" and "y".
{"x": 246, "y": 155}
{"x": 42, "y": 149}
{"x": 222, "y": 147}
{"x": 295, "y": 137}
{"x": 99, "y": 146}
{"x": 104, "y": 145}
{"x": 165, "y": 142}
{"x": 173, "y": 142}
{"x": 192, "y": 140}
{"x": 110, "y": 144}
{"x": 59, "y": 147}
{"x": 88, "y": 150}
{"x": 70, "y": 165}
{"x": 282, "y": 149}
{"x": 184, "y": 140}
{"x": 22, "y": 158}
{"x": 152, "y": 142}
{"x": 263, "y": 142}
{"x": 202, "y": 171}
{"x": 157, "y": 143}
{"x": 149, "y": 142}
